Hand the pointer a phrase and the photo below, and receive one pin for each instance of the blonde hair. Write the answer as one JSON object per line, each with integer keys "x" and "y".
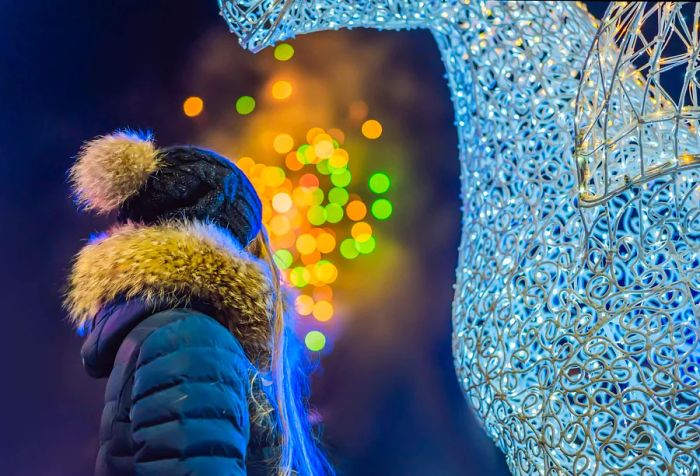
{"x": 299, "y": 453}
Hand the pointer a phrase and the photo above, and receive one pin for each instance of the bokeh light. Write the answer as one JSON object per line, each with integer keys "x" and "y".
{"x": 372, "y": 129}
{"x": 282, "y": 202}
{"x": 338, "y": 195}
{"x": 361, "y": 231}
{"x": 283, "y": 258}
{"x": 283, "y": 143}
{"x": 341, "y": 178}
{"x": 382, "y": 209}
{"x": 348, "y": 249}
{"x": 304, "y": 304}
{"x": 358, "y": 111}
{"x": 322, "y": 311}
{"x": 193, "y": 106}
{"x": 325, "y": 242}
{"x": 245, "y": 105}
{"x": 379, "y": 182}
{"x": 306, "y": 244}
{"x": 315, "y": 341}
{"x": 314, "y": 206}
{"x": 284, "y": 52}
{"x": 356, "y": 210}
{"x": 281, "y": 89}
{"x": 366, "y": 246}
{"x": 334, "y": 213}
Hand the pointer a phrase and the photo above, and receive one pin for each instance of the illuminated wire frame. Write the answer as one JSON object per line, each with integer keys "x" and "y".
{"x": 575, "y": 309}
{"x": 629, "y": 129}
{"x": 254, "y": 21}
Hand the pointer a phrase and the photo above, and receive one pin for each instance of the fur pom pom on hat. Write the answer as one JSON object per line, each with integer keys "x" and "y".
{"x": 112, "y": 168}
{"x": 126, "y": 173}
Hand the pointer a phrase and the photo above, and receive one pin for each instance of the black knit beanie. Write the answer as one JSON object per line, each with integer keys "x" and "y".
{"x": 125, "y": 172}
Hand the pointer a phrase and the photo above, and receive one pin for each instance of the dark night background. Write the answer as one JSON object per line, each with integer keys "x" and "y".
{"x": 70, "y": 72}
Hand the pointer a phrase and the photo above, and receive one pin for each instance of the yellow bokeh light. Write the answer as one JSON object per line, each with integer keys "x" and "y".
{"x": 339, "y": 158}
{"x": 266, "y": 213}
{"x": 273, "y": 176}
{"x": 193, "y": 106}
{"x": 307, "y": 155}
{"x": 282, "y": 202}
{"x": 325, "y": 242}
{"x": 321, "y": 137}
{"x": 304, "y": 304}
{"x": 245, "y": 164}
{"x": 256, "y": 170}
{"x": 279, "y": 225}
{"x": 312, "y": 133}
{"x": 361, "y": 231}
{"x": 306, "y": 244}
{"x": 258, "y": 184}
{"x": 302, "y": 196}
{"x": 297, "y": 219}
{"x": 323, "y": 311}
{"x": 324, "y": 149}
{"x": 356, "y": 210}
{"x": 283, "y": 143}
{"x": 326, "y": 272}
{"x": 372, "y": 129}
{"x": 281, "y": 89}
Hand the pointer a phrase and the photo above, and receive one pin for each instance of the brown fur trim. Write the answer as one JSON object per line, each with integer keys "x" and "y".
{"x": 174, "y": 263}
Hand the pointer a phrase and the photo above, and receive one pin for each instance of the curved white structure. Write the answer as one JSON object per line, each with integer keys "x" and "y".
{"x": 575, "y": 310}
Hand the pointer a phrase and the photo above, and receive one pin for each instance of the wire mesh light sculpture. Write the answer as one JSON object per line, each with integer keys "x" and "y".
{"x": 575, "y": 310}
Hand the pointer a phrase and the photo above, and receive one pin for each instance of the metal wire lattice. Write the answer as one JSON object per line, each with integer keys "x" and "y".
{"x": 575, "y": 310}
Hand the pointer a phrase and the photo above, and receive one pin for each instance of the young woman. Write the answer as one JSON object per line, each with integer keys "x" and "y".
{"x": 184, "y": 313}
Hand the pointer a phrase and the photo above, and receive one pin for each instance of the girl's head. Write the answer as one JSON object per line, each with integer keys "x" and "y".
{"x": 125, "y": 173}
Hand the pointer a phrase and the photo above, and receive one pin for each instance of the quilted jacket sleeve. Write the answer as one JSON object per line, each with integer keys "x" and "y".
{"x": 189, "y": 409}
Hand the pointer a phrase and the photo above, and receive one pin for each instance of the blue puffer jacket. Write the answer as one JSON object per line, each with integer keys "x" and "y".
{"x": 176, "y": 401}
{"x": 176, "y": 398}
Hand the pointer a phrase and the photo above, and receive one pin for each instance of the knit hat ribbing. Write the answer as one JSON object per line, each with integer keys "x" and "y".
{"x": 126, "y": 173}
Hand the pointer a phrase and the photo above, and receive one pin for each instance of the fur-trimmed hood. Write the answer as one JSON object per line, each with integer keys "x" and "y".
{"x": 175, "y": 264}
